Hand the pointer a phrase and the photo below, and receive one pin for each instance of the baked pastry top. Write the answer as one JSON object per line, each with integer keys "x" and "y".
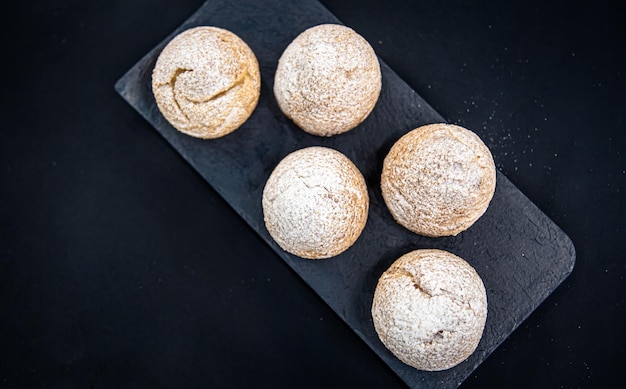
{"x": 328, "y": 80}
{"x": 438, "y": 179}
{"x": 429, "y": 309}
{"x": 315, "y": 203}
{"x": 206, "y": 82}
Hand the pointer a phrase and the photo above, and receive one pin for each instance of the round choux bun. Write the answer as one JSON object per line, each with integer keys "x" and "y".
{"x": 206, "y": 82}
{"x": 438, "y": 179}
{"x": 429, "y": 309}
{"x": 315, "y": 203}
{"x": 328, "y": 80}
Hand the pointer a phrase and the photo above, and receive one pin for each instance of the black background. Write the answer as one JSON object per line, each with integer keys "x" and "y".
{"x": 120, "y": 266}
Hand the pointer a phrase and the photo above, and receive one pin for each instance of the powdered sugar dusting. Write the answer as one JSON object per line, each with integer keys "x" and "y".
{"x": 328, "y": 80}
{"x": 315, "y": 203}
{"x": 429, "y": 309}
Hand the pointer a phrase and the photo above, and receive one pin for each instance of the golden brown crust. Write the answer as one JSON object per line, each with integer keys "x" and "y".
{"x": 315, "y": 203}
{"x": 206, "y": 82}
{"x": 328, "y": 80}
{"x": 429, "y": 309}
{"x": 438, "y": 179}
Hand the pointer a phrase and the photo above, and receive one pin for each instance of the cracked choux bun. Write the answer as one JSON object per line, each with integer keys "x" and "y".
{"x": 438, "y": 179}
{"x": 328, "y": 80}
{"x": 315, "y": 203}
{"x": 206, "y": 82}
{"x": 429, "y": 309}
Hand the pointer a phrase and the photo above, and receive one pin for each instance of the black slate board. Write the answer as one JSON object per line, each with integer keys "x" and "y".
{"x": 521, "y": 255}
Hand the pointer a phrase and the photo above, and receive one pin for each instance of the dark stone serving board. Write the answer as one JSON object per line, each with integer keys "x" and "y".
{"x": 521, "y": 255}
